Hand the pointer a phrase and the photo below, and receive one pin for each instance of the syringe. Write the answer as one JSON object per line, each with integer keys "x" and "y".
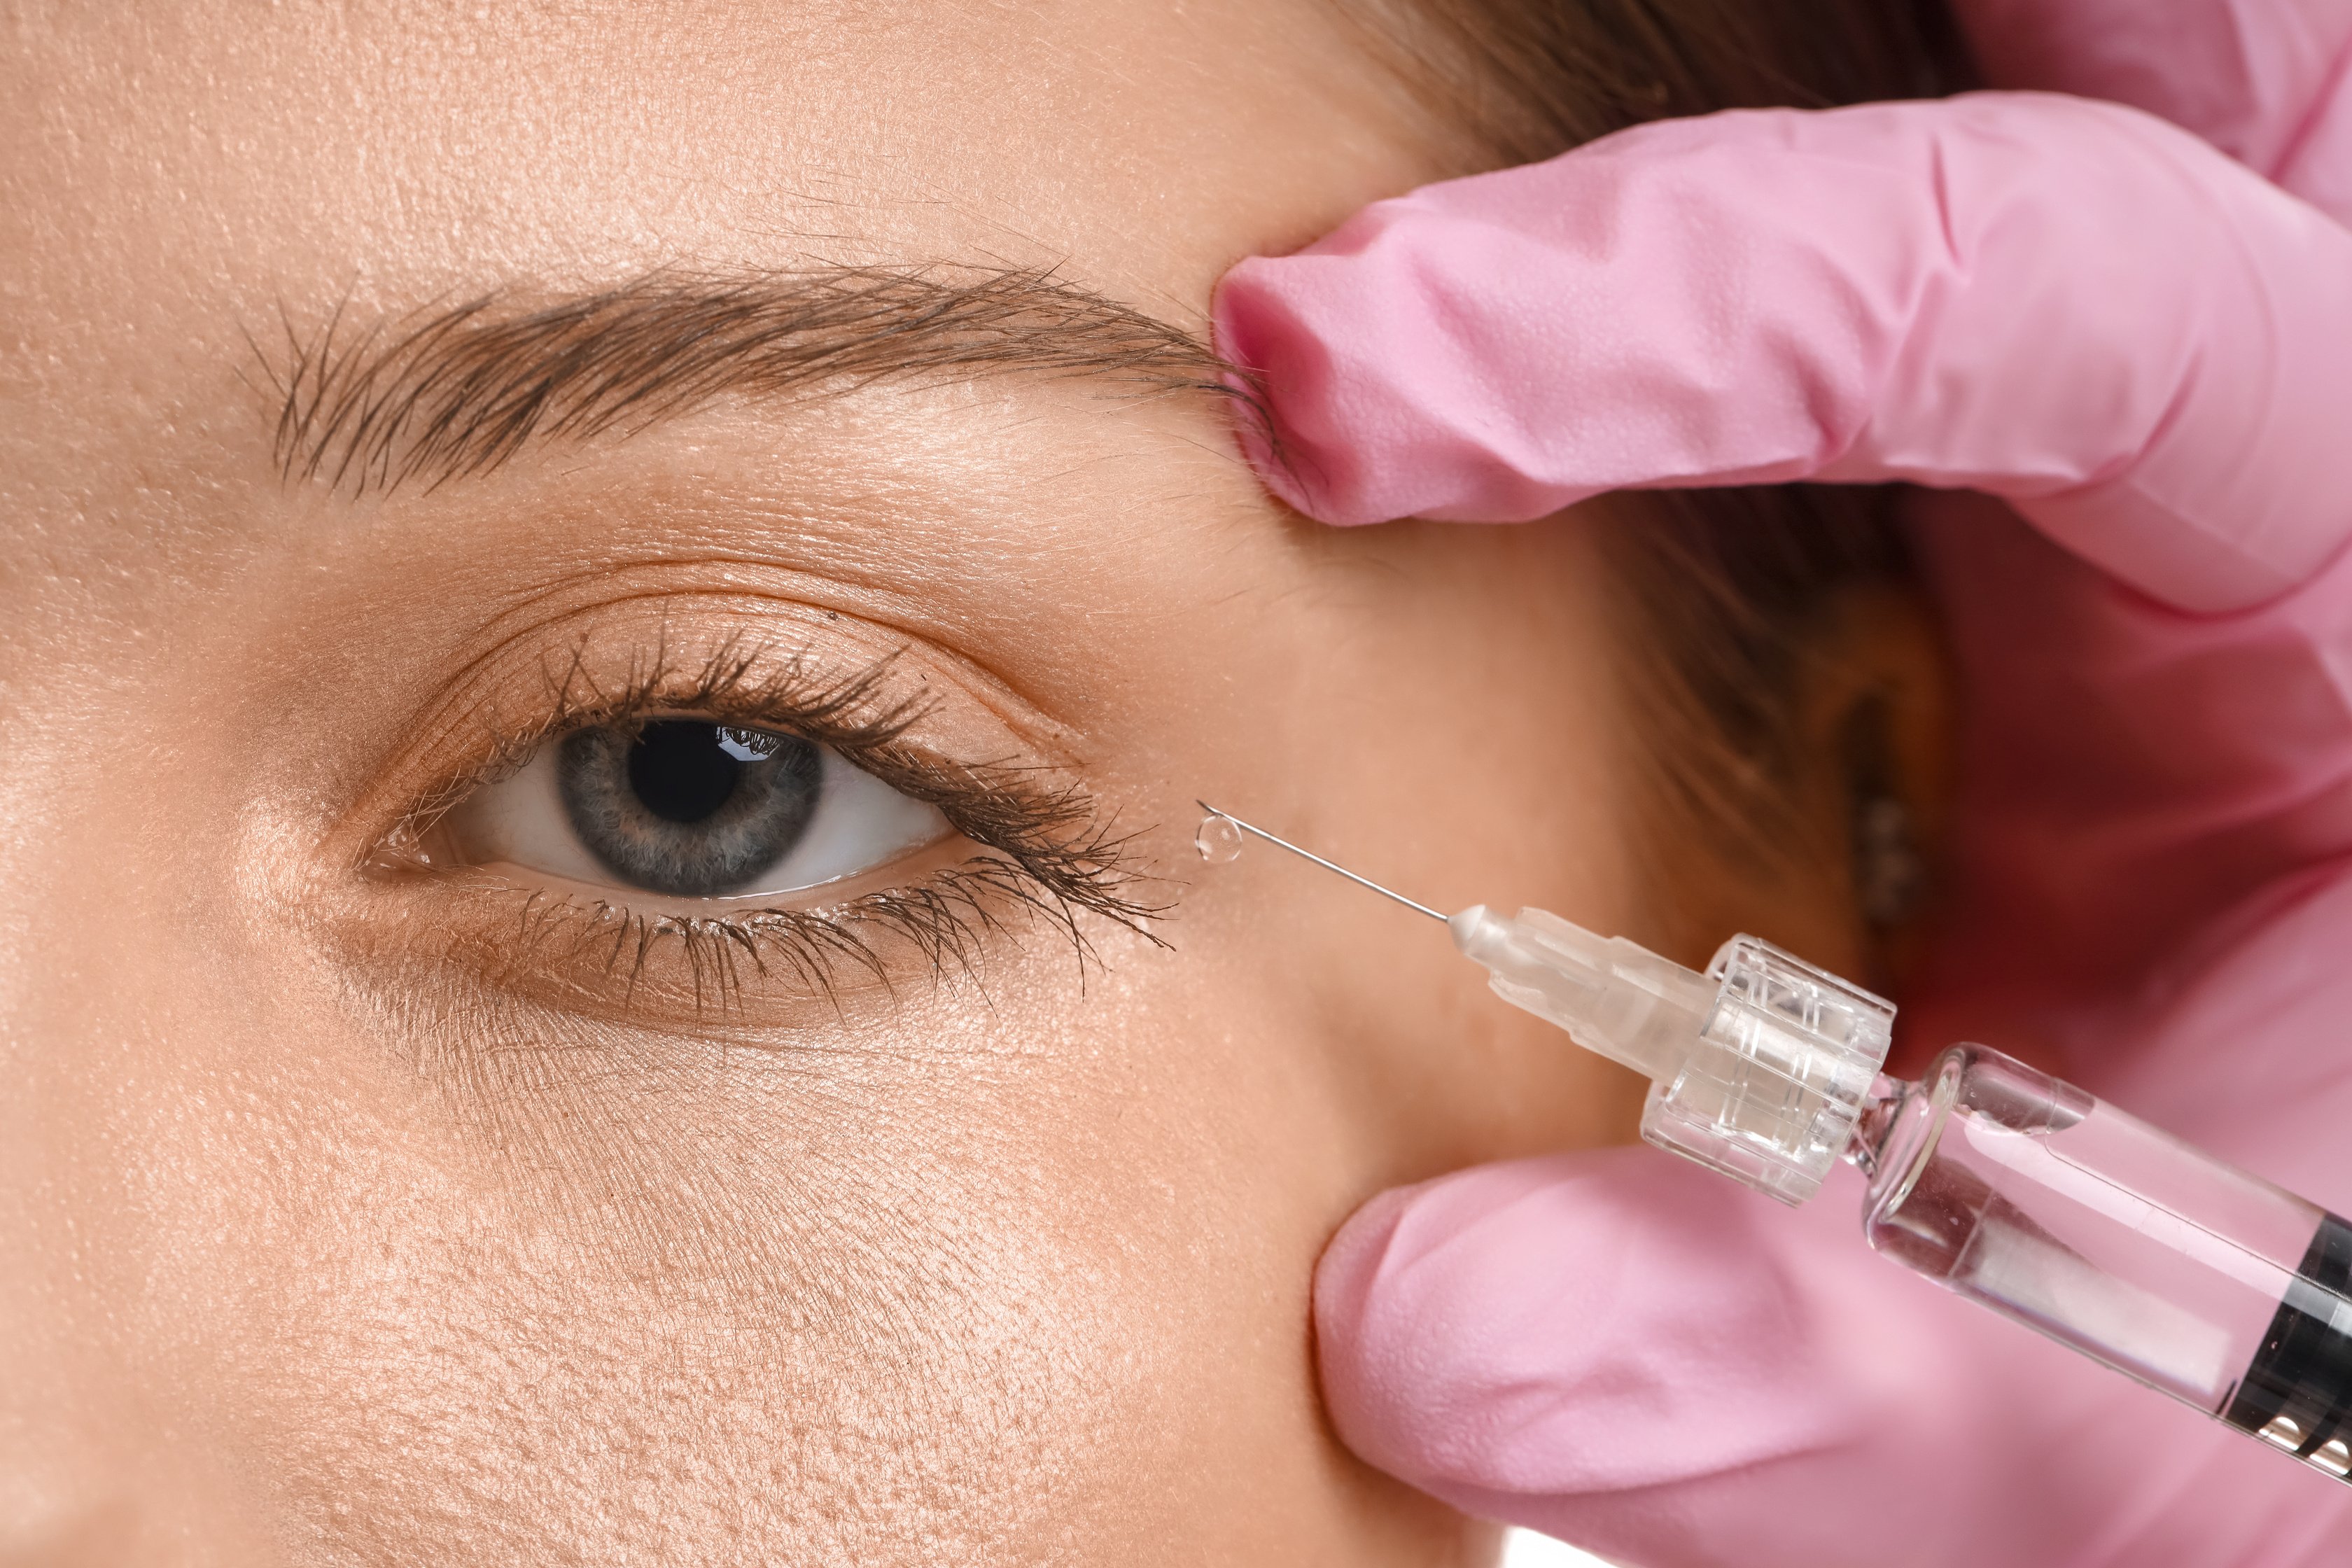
{"x": 1994, "y": 1179}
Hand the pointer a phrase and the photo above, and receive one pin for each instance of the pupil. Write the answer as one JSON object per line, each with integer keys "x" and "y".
{"x": 678, "y": 770}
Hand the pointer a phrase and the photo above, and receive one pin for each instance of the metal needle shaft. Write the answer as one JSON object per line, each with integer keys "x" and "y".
{"x": 1328, "y": 865}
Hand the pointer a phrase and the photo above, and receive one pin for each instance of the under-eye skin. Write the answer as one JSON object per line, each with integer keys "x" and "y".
{"x": 644, "y": 842}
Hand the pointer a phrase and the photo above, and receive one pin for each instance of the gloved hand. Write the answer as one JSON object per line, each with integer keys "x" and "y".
{"x": 2141, "y": 344}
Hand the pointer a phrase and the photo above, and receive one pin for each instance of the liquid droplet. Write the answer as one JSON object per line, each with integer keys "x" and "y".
{"x": 1218, "y": 839}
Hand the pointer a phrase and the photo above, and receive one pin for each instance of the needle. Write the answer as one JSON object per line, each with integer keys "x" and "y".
{"x": 1328, "y": 865}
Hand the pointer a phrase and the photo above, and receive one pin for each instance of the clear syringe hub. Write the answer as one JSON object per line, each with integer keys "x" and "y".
{"x": 1758, "y": 1068}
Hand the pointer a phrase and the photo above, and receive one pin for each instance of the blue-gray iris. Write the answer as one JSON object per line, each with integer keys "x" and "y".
{"x": 685, "y": 806}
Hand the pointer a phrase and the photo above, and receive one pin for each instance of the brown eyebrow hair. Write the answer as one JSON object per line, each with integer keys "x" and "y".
{"x": 455, "y": 390}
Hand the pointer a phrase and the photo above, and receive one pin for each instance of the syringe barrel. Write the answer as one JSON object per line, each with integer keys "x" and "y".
{"x": 2033, "y": 1197}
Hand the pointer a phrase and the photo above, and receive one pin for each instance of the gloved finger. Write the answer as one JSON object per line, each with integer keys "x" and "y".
{"x": 2072, "y": 305}
{"x": 1629, "y": 1353}
{"x": 2267, "y": 81}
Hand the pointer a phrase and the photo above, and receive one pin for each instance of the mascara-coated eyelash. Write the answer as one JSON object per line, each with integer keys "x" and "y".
{"x": 1044, "y": 851}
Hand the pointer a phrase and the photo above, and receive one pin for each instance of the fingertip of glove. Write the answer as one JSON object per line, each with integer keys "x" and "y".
{"x": 1488, "y": 1329}
{"x": 1433, "y": 1301}
{"x": 1256, "y": 332}
{"x": 1353, "y": 1261}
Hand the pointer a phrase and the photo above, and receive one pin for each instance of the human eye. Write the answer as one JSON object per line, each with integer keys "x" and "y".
{"x": 712, "y": 830}
{"x": 691, "y": 808}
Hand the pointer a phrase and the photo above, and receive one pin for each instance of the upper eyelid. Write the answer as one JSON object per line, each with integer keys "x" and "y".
{"x": 848, "y": 713}
{"x": 863, "y": 703}
{"x": 734, "y": 588}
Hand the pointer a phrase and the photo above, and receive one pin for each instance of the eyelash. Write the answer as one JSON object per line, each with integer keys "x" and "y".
{"x": 1052, "y": 857}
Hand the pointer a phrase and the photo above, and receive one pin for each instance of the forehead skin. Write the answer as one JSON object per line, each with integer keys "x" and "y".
{"x": 317, "y": 1255}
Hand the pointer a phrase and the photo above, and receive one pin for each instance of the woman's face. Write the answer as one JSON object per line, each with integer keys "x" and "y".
{"x": 384, "y": 1183}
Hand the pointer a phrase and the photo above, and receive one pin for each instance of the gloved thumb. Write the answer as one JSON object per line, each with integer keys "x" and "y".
{"x": 1635, "y": 1355}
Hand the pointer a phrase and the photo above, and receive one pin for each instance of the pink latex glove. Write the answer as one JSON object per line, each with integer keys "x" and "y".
{"x": 2142, "y": 344}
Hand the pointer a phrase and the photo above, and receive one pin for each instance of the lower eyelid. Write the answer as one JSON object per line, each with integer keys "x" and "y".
{"x": 735, "y": 966}
{"x": 941, "y": 910}
{"x": 569, "y": 950}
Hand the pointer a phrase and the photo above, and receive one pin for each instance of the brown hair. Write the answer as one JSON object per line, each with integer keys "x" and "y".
{"x": 1721, "y": 586}
{"x": 1530, "y": 78}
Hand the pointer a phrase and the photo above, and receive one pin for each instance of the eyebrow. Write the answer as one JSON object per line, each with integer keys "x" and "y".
{"x": 451, "y": 391}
